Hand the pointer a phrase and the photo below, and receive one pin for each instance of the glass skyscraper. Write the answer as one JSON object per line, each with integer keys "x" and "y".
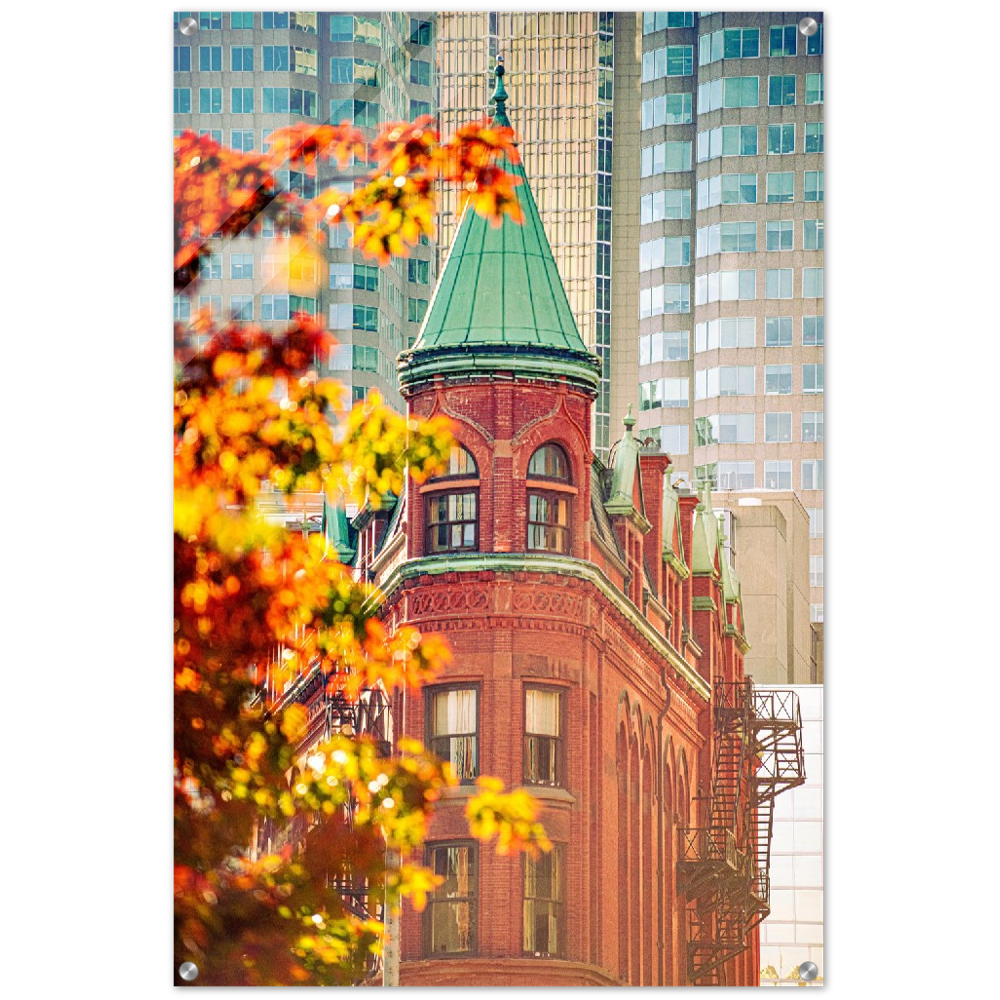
{"x": 240, "y": 76}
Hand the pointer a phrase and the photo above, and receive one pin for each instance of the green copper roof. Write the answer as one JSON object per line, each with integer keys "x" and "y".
{"x": 336, "y": 529}
{"x": 499, "y": 304}
{"x": 671, "y": 519}
{"x": 705, "y": 537}
{"x": 623, "y": 474}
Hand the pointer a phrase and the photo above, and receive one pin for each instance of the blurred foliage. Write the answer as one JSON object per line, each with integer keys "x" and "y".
{"x": 253, "y": 600}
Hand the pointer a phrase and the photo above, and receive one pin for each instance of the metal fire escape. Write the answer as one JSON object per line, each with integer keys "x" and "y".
{"x": 723, "y": 868}
{"x": 368, "y": 714}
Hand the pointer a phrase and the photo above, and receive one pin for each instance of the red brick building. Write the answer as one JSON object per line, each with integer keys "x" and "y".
{"x": 598, "y": 649}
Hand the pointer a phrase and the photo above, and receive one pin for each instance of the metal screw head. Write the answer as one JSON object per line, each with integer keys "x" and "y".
{"x": 188, "y": 971}
{"x": 808, "y": 26}
{"x": 188, "y": 27}
{"x": 809, "y": 970}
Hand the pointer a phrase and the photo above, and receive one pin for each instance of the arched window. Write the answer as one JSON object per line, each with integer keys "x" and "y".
{"x": 549, "y": 497}
{"x": 452, "y": 504}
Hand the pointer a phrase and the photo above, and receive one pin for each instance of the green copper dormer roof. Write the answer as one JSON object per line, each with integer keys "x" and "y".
{"x": 672, "y": 523}
{"x": 624, "y": 472}
{"x": 499, "y": 304}
{"x": 731, "y": 591}
{"x": 705, "y": 537}
{"x": 337, "y": 531}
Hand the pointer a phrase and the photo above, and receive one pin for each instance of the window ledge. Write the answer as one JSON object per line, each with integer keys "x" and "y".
{"x": 548, "y": 794}
{"x": 459, "y": 792}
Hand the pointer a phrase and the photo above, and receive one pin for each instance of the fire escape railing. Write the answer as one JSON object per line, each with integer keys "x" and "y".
{"x": 369, "y": 713}
{"x": 723, "y": 868}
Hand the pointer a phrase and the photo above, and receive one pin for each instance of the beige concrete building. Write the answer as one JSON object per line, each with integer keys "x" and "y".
{"x": 768, "y": 546}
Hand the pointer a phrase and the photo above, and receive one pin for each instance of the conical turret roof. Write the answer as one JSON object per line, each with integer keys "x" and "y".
{"x": 500, "y": 303}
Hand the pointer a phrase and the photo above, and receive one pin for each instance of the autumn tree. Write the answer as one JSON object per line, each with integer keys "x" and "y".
{"x": 253, "y": 599}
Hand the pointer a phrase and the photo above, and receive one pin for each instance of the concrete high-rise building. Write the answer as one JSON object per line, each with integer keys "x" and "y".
{"x": 576, "y": 105}
{"x": 711, "y": 126}
{"x": 241, "y": 75}
{"x": 731, "y": 259}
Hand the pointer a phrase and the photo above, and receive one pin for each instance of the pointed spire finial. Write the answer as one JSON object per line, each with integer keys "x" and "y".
{"x": 628, "y": 420}
{"x": 499, "y": 97}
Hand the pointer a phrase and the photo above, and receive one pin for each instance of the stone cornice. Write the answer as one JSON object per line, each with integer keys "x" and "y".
{"x": 523, "y": 562}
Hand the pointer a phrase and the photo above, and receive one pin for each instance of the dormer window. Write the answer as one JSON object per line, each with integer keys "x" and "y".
{"x": 452, "y": 502}
{"x": 549, "y": 496}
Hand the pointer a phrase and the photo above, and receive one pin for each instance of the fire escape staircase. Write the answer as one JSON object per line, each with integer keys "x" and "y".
{"x": 723, "y": 867}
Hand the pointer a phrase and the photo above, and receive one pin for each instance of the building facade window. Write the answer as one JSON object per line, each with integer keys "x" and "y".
{"x": 182, "y": 58}
{"x": 210, "y": 100}
{"x": 734, "y": 476}
{"x": 812, "y": 331}
{"x": 666, "y": 345}
{"x": 729, "y": 380}
{"x": 812, "y": 425}
{"x": 671, "y": 60}
{"x": 734, "y": 331}
{"x": 814, "y": 43}
{"x": 815, "y": 521}
{"x": 812, "y": 282}
{"x": 727, "y": 189}
{"x": 724, "y": 428}
{"x": 543, "y": 748}
{"x": 778, "y": 331}
{"x": 667, "y": 251}
{"x": 673, "y": 438}
{"x": 365, "y": 278}
{"x": 451, "y": 914}
{"x": 453, "y": 722}
{"x": 814, "y": 88}
{"x": 210, "y": 58}
{"x": 812, "y": 234}
{"x": 812, "y": 378}
{"x": 210, "y": 266}
{"x": 452, "y": 514}
{"x": 241, "y": 265}
{"x": 813, "y": 185}
{"x": 241, "y": 100}
{"x": 663, "y": 392}
{"x": 780, "y": 90}
{"x": 665, "y": 158}
{"x": 672, "y": 204}
{"x": 783, "y": 39}
{"x": 814, "y": 137}
{"x": 778, "y": 475}
{"x": 210, "y": 20}
{"x": 664, "y": 299}
{"x": 728, "y": 43}
{"x": 781, "y": 139}
{"x": 548, "y": 508}
{"x": 241, "y": 19}
{"x": 420, "y": 32}
{"x": 780, "y": 188}
{"x": 778, "y": 283}
{"x": 241, "y": 139}
{"x": 781, "y": 235}
{"x": 778, "y": 429}
{"x": 815, "y": 571}
{"x": 778, "y": 380}
{"x": 812, "y": 474}
{"x": 544, "y": 892}
{"x": 725, "y": 286}
{"x": 241, "y": 307}
{"x": 727, "y": 140}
